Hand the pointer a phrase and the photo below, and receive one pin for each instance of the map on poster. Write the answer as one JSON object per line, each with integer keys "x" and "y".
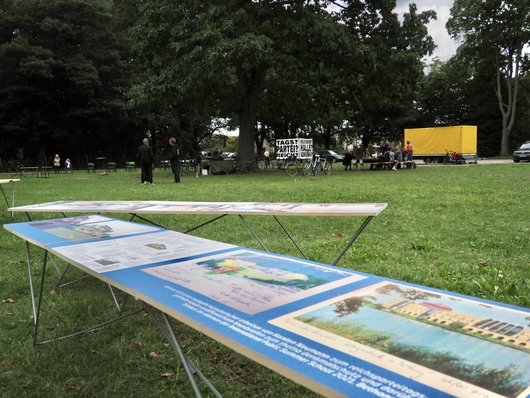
{"x": 252, "y": 282}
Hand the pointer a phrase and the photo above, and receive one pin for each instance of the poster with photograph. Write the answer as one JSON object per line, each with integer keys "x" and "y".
{"x": 91, "y": 227}
{"x": 336, "y": 331}
{"x": 457, "y": 345}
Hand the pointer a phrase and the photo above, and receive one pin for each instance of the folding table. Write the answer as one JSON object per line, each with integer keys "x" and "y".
{"x": 141, "y": 209}
{"x": 336, "y": 331}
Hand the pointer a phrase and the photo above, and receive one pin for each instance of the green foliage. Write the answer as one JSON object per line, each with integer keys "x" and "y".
{"x": 291, "y": 66}
{"x": 495, "y": 34}
{"x": 63, "y": 72}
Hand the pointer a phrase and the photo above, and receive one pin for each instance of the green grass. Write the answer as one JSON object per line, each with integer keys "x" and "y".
{"x": 459, "y": 228}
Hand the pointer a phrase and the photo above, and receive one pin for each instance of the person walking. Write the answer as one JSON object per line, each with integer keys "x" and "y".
{"x": 146, "y": 159}
{"x": 174, "y": 159}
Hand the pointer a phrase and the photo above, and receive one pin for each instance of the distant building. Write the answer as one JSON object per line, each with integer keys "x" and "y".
{"x": 510, "y": 333}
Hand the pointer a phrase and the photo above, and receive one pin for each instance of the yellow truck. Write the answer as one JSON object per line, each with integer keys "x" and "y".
{"x": 453, "y": 144}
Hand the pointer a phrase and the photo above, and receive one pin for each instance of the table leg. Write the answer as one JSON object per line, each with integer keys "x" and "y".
{"x": 290, "y": 237}
{"x": 352, "y": 239}
{"x": 7, "y": 200}
{"x": 36, "y": 304}
{"x": 189, "y": 366}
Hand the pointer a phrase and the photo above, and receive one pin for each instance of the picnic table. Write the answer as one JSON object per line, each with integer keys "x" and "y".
{"x": 39, "y": 171}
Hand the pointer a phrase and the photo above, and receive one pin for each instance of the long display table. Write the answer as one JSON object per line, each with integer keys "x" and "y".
{"x": 141, "y": 209}
{"x": 338, "y": 332}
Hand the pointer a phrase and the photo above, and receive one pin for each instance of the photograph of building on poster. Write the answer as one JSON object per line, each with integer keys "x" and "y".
{"x": 253, "y": 282}
{"x": 91, "y": 227}
{"x": 457, "y": 345}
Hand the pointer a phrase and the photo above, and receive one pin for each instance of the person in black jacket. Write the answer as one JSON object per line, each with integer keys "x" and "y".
{"x": 174, "y": 159}
{"x": 146, "y": 159}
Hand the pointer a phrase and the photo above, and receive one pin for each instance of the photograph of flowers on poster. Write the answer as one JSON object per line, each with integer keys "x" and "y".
{"x": 458, "y": 345}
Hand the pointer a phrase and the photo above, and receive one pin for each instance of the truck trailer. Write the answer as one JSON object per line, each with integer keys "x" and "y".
{"x": 452, "y": 144}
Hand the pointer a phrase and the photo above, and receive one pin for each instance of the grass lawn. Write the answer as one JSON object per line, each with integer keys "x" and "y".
{"x": 460, "y": 228}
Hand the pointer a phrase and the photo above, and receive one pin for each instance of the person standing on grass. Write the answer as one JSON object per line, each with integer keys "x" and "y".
{"x": 146, "y": 158}
{"x": 174, "y": 159}
{"x": 67, "y": 166}
{"x": 57, "y": 163}
{"x": 409, "y": 150}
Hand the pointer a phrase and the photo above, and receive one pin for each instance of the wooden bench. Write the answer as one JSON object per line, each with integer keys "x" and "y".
{"x": 39, "y": 171}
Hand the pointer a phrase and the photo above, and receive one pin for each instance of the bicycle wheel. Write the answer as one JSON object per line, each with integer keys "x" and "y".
{"x": 291, "y": 169}
{"x": 262, "y": 165}
{"x": 326, "y": 168}
{"x": 306, "y": 169}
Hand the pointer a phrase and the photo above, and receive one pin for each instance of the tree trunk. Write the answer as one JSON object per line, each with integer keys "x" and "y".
{"x": 250, "y": 85}
{"x": 508, "y": 103}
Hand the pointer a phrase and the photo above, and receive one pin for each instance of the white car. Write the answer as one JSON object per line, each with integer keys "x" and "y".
{"x": 332, "y": 156}
{"x": 523, "y": 153}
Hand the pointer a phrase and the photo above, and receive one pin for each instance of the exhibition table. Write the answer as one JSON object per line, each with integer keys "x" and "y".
{"x": 140, "y": 209}
{"x": 338, "y": 332}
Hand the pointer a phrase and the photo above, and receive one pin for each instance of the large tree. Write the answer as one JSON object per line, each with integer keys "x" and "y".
{"x": 497, "y": 31}
{"x": 388, "y": 76}
{"x": 63, "y": 76}
{"x": 221, "y": 58}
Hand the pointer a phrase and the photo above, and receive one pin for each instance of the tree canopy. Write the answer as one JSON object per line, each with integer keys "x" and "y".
{"x": 93, "y": 77}
{"x": 63, "y": 76}
{"x": 496, "y": 33}
{"x": 290, "y": 65}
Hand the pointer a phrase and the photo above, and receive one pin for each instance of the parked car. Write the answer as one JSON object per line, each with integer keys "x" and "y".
{"x": 523, "y": 153}
{"x": 331, "y": 155}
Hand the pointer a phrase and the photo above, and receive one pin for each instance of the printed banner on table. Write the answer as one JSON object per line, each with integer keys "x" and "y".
{"x": 335, "y": 330}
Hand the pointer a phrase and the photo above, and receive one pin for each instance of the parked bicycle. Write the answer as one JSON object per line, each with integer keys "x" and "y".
{"x": 317, "y": 166}
{"x": 292, "y": 165}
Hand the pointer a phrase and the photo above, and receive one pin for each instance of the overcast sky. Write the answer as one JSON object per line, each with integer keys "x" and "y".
{"x": 446, "y": 47}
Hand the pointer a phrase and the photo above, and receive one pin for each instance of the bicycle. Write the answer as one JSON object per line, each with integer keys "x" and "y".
{"x": 292, "y": 166}
{"x": 312, "y": 168}
{"x": 317, "y": 166}
{"x": 326, "y": 166}
{"x": 263, "y": 163}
